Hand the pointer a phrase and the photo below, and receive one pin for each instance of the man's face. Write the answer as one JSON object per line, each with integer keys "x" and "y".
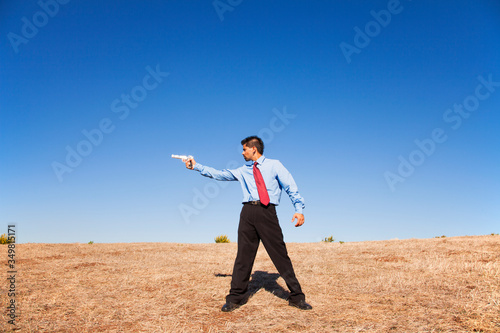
{"x": 248, "y": 153}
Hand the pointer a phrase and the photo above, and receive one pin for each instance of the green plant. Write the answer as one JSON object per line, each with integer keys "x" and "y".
{"x": 4, "y": 239}
{"x": 341, "y": 242}
{"x": 493, "y": 234}
{"x": 440, "y": 236}
{"x": 328, "y": 239}
{"x": 91, "y": 242}
{"x": 222, "y": 239}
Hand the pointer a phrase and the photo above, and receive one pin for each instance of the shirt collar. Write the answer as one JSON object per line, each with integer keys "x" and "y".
{"x": 259, "y": 161}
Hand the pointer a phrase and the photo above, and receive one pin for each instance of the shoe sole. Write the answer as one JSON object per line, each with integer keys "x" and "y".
{"x": 231, "y": 309}
{"x": 298, "y": 307}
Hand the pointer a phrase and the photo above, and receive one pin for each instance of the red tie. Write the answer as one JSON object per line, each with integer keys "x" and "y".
{"x": 261, "y": 186}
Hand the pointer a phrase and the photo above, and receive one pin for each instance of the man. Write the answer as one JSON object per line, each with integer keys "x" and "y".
{"x": 262, "y": 180}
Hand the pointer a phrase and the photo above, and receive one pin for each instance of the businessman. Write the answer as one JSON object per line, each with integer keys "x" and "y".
{"x": 262, "y": 181}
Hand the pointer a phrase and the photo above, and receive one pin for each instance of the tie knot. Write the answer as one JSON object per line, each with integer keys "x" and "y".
{"x": 255, "y": 164}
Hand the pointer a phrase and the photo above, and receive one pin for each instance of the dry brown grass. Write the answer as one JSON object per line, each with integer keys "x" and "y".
{"x": 430, "y": 285}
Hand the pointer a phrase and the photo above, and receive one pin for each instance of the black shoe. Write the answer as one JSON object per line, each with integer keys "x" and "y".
{"x": 301, "y": 305}
{"x": 228, "y": 307}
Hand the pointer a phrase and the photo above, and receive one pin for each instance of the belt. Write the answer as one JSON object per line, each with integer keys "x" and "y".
{"x": 256, "y": 203}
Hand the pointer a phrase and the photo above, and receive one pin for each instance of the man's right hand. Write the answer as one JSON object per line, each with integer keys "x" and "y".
{"x": 190, "y": 163}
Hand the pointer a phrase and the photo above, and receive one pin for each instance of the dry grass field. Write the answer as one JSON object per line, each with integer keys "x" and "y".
{"x": 428, "y": 285}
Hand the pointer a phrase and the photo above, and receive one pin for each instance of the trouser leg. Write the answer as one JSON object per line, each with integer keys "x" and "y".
{"x": 248, "y": 244}
{"x": 272, "y": 237}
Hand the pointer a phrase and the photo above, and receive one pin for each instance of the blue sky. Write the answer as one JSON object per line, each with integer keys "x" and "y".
{"x": 385, "y": 112}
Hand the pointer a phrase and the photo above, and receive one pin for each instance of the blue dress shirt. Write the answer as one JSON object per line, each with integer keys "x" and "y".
{"x": 275, "y": 175}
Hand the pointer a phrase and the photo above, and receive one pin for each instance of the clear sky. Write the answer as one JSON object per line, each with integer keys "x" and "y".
{"x": 385, "y": 112}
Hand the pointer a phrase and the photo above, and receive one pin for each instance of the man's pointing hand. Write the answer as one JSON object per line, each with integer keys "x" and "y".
{"x": 190, "y": 162}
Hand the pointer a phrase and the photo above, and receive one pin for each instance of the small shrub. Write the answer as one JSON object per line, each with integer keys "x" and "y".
{"x": 91, "y": 242}
{"x": 341, "y": 242}
{"x": 493, "y": 234}
{"x": 328, "y": 239}
{"x": 4, "y": 239}
{"x": 440, "y": 236}
{"x": 222, "y": 239}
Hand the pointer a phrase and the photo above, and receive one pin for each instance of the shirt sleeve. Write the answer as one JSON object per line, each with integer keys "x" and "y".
{"x": 214, "y": 173}
{"x": 288, "y": 184}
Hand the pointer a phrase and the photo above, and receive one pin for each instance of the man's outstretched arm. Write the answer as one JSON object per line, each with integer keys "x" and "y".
{"x": 208, "y": 171}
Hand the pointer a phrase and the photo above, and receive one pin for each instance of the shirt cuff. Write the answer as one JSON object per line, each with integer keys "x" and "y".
{"x": 299, "y": 208}
{"x": 198, "y": 167}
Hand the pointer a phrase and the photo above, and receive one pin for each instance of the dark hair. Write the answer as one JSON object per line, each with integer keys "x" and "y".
{"x": 254, "y": 141}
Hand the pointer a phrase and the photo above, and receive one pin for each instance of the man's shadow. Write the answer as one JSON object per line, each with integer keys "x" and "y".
{"x": 268, "y": 281}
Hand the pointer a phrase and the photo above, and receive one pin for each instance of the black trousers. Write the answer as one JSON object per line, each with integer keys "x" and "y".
{"x": 258, "y": 222}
